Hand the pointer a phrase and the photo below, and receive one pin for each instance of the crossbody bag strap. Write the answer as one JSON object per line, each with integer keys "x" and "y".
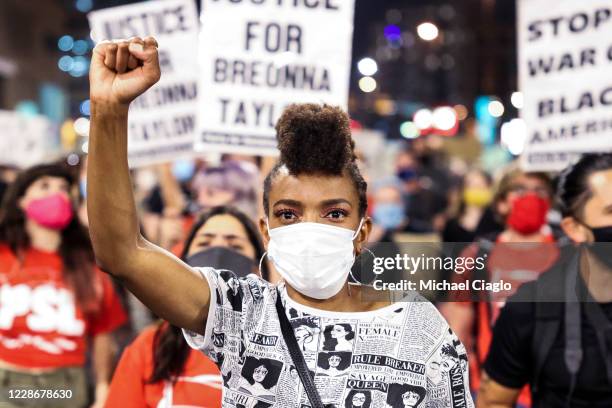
{"x": 296, "y": 355}
{"x": 573, "y": 331}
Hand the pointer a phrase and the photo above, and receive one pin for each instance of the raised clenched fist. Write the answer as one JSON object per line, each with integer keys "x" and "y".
{"x": 122, "y": 70}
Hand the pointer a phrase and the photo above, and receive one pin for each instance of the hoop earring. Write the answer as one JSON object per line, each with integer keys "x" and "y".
{"x": 357, "y": 282}
{"x": 260, "y": 262}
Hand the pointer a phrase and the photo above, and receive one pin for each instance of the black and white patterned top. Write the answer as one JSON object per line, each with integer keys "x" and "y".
{"x": 402, "y": 355}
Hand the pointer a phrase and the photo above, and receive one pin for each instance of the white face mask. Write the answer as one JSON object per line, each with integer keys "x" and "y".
{"x": 315, "y": 259}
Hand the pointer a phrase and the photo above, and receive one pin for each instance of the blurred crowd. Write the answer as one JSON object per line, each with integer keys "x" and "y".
{"x": 206, "y": 211}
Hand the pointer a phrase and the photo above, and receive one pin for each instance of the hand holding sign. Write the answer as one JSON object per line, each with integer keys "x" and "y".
{"x": 122, "y": 70}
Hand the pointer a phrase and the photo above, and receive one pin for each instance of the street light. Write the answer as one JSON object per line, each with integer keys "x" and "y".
{"x": 423, "y": 119}
{"x": 444, "y": 118}
{"x": 517, "y": 100}
{"x": 367, "y": 66}
{"x": 496, "y": 108}
{"x": 367, "y": 84}
{"x": 427, "y": 31}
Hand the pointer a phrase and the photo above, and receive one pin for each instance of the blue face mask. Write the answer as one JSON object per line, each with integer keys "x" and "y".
{"x": 388, "y": 215}
{"x": 407, "y": 174}
{"x": 183, "y": 170}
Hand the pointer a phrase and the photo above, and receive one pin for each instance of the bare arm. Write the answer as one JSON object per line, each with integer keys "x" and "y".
{"x": 102, "y": 356}
{"x": 171, "y": 192}
{"x": 495, "y": 395}
{"x": 161, "y": 281}
{"x": 460, "y": 318}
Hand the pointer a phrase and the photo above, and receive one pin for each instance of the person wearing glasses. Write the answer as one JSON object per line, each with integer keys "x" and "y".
{"x": 555, "y": 334}
{"x": 358, "y": 399}
{"x": 520, "y": 253}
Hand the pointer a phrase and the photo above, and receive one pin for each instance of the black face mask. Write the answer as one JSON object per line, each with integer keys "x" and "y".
{"x": 602, "y": 247}
{"x": 222, "y": 258}
{"x": 602, "y": 234}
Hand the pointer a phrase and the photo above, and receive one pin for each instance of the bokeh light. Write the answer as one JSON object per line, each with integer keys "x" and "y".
{"x": 367, "y": 84}
{"x": 65, "y": 43}
{"x": 85, "y": 107}
{"x": 496, "y": 108}
{"x": 514, "y": 136}
{"x": 409, "y": 130}
{"x": 72, "y": 159}
{"x": 385, "y": 106}
{"x": 427, "y": 31}
{"x": 80, "y": 67}
{"x": 80, "y": 47}
{"x": 84, "y": 5}
{"x": 444, "y": 118}
{"x": 65, "y": 63}
{"x": 68, "y": 135}
{"x": 423, "y": 119}
{"x": 461, "y": 111}
{"x": 393, "y": 32}
{"x": 81, "y": 126}
{"x": 367, "y": 66}
{"x": 516, "y": 99}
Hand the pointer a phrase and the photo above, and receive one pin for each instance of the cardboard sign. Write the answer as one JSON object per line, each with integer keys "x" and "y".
{"x": 162, "y": 121}
{"x": 565, "y": 60}
{"x": 256, "y": 57}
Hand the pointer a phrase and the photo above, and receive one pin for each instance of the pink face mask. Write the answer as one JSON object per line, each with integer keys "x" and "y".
{"x": 54, "y": 211}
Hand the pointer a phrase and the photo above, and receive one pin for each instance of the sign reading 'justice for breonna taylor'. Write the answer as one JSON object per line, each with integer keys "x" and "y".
{"x": 256, "y": 57}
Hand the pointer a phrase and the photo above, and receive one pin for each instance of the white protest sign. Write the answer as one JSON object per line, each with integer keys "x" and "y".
{"x": 565, "y": 61}
{"x": 374, "y": 152}
{"x": 26, "y": 140}
{"x": 162, "y": 120}
{"x": 258, "y": 56}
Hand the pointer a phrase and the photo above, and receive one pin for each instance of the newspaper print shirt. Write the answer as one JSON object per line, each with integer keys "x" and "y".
{"x": 402, "y": 355}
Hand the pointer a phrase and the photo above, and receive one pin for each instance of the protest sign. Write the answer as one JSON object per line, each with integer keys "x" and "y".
{"x": 565, "y": 58}
{"x": 162, "y": 121}
{"x": 256, "y": 57}
{"x": 26, "y": 140}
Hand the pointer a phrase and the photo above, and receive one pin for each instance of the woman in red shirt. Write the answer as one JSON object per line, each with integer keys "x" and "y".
{"x": 159, "y": 369}
{"x": 54, "y": 303}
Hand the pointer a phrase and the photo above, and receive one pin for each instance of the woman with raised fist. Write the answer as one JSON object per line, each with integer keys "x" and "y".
{"x": 314, "y": 226}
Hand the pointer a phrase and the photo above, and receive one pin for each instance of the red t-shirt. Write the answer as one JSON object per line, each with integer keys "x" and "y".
{"x": 41, "y": 323}
{"x": 199, "y": 386}
{"x": 512, "y": 263}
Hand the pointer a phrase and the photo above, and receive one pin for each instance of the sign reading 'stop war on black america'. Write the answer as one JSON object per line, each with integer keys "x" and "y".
{"x": 565, "y": 61}
{"x": 258, "y": 56}
{"x": 162, "y": 121}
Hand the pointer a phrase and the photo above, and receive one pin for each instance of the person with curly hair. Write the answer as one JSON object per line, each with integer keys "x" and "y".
{"x": 314, "y": 226}
{"x": 405, "y": 395}
{"x": 335, "y": 363}
{"x": 260, "y": 377}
